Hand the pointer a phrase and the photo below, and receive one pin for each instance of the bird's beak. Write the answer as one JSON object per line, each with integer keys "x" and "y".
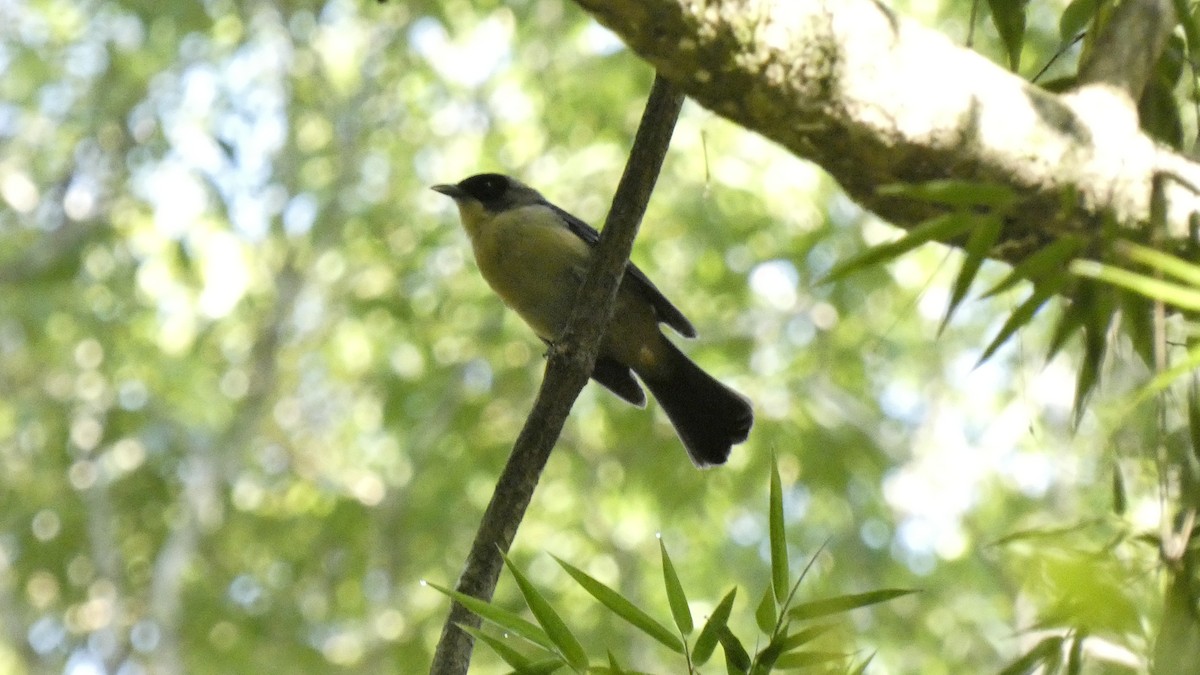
{"x": 452, "y": 191}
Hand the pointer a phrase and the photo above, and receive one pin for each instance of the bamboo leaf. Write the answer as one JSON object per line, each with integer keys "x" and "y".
{"x": 1120, "y": 500}
{"x": 804, "y": 636}
{"x": 506, "y": 651}
{"x": 1021, "y": 316}
{"x": 801, "y": 660}
{"x": 676, "y": 598}
{"x": 1099, "y": 315}
{"x": 1137, "y": 319}
{"x": 1194, "y": 415}
{"x": 940, "y": 228}
{"x": 862, "y": 667}
{"x": 1184, "y": 366}
{"x": 1035, "y": 657}
{"x": 1074, "y": 313}
{"x": 1190, "y": 30}
{"x": 1075, "y": 657}
{"x": 1184, "y": 297}
{"x": 1075, "y": 17}
{"x": 736, "y": 657}
{"x": 779, "y": 552}
{"x": 959, "y": 194}
{"x": 1094, "y": 344}
{"x": 1166, "y": 263}
{"x": 1048, "y": 533}
{"x": 502, "y": 618}
{"x": 613, "y": 668}
{"x": 845, "y": 603}
{"x": 764, "y": 614}
{"x": 1048, "y": 260}
{"x": 1009, "y": 18}
{"x": 979, "y": 245}
{"x": 623, "y": 608}
{"x": 562, "y": 637}
{"x": 543, "y": 667}
{"x": 764, "y": 660}
{"x": 706, "y": 642}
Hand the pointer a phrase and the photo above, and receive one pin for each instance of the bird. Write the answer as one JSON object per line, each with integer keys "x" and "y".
{"x": 534, "y": 255}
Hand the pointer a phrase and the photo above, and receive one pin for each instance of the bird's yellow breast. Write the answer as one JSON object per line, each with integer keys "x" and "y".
{"x": 535, "y": 264}
{"x": 532, "y": 261}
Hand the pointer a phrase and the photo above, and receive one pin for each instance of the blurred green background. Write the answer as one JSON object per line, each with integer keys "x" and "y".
{"x": 254, "y": 390}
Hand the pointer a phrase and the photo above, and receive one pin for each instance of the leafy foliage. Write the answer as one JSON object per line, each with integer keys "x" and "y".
{"x": 785, "y": 649}
{"x": 255, "y": 390}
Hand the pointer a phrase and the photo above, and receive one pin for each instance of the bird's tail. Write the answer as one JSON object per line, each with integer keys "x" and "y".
{"x": 708, "y": 416}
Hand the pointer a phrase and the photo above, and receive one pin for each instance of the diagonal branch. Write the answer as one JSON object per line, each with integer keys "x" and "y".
{"x": 570, "y": 363}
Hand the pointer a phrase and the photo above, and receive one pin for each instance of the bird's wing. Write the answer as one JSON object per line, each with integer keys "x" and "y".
{"x": 667, "y": 312}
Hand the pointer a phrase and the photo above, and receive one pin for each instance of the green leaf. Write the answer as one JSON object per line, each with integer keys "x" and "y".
{"x": 1158, "y": 111}
{"x": 1100, "y": 313}
{"x": 1194, "y": 415}
{"x": 861, "y": 668}
{"x": 1089, "y": 373}
{"x": 800, "y": 660}
{"x": 1074, "y": 313}
{"x": 764, "y": 614}
{"x": 955, "y": 193}
{"x": 1021, "y": 316}
{"x": 779, "y": 552}
{"x": 845, "y": 603}
{"x": 1009, "y": 19}
{"x": 736, "y": 658}
{"x": 1184, "y": 366}
{"x": 764, "y": 660}
{"x": 1120, "y": 500}
{"x": 1184, "y": 297}
{"x": 775, "y": 651}
{"x": 1048, "y": 533}
{"x": 1075, "y": 657}
{"x": 502, "y": 618}
{"x": 804, "y": 636}
{"x": 675, "y": 595}
{"x": 941, "y": 228}
{"x": 1048, "y": 260}
{"x": 1053, "y": 661}
{"x": 613, "y": 667}
{"x": 1190, "y": 30}
{"x": 1163, "y": 262}
{"x": 706, "y": 642}
{"x": 623, "y": 608}
{"x": 979, "y": 245}
{"x": 543, "y": 667}
{"x": 568, "y": 645}
{"x": 1035, "y": 657}
{"x": 506, "y": 651}
{"x": 1137, "y": 318}
{"x": 1075, "y": 17}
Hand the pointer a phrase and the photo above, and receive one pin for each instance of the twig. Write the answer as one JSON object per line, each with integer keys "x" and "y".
{"x": 570, "y": 363}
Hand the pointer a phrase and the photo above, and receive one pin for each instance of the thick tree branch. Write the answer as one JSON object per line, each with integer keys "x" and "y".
{"x": 876, "y": 99}
{"x": 571, "y": 361}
